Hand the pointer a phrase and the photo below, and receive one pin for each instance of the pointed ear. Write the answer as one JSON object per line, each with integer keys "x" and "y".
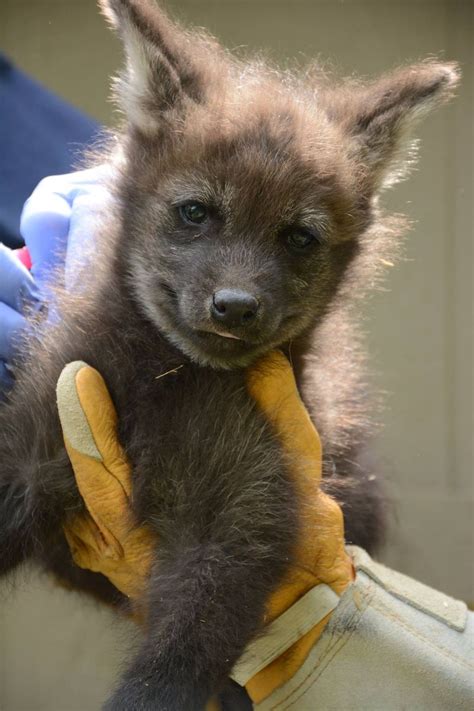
{"x": 159, "y": 74}
{"x": 380, "y": 117}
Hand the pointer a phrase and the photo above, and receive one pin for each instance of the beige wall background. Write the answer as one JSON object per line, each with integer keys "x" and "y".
{"x": 59, "y": 652}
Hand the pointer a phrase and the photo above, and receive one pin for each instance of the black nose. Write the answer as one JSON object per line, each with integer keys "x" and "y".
{"x": 233, "y": 307}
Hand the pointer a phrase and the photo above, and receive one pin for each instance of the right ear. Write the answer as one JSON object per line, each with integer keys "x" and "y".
{"x": 160, "y": 74}
{"x": 379, "y": 118}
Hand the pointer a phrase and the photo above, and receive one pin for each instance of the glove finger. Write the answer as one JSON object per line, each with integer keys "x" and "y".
{"x": 87, "y": 545}
{"x": 89, "y": 423}
{"x": 83, "y": 546}
{"x": 272, "y": 385}
{"x": 17, "y": 287}
{"x": 12, "y": 325}
{"x": 87, "y": 215}
{"x": 45, "y": 226}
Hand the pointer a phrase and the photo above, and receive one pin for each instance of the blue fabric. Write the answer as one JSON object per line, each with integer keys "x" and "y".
{"x": 40, "y": 135}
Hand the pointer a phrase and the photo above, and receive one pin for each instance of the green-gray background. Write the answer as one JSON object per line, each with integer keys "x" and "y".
{"x": 59, "y": 652}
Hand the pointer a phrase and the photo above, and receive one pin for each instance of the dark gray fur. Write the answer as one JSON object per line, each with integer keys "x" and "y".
{"x": 265, "y": 152}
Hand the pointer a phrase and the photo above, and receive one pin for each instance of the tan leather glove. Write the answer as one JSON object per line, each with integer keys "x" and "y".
{"x": 320, "y": 556}
{"x": 107, "y": 540}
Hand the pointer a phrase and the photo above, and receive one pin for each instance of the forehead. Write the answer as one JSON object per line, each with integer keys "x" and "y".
{"x": 273, "y": 163}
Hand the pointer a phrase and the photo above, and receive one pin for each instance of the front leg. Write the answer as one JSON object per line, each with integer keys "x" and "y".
{"x": 210, "y": 581}
{"x": 204, "y": 605}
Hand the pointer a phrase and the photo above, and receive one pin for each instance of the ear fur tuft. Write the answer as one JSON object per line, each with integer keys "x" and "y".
{"x": 160, "y": 73}
{"x": 381, "y": 116}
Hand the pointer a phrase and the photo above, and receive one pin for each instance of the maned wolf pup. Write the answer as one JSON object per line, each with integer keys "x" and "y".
{"x": 248, "y": 219}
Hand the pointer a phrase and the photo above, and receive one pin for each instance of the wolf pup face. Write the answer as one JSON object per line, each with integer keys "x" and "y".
{"x": 247, "y": 192}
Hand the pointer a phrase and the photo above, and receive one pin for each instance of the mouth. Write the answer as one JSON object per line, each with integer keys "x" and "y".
{"x": 218, "y": 345}
{"x": 214, "y": 336}
{"x": 220, "y": 349}
{"x": 219, "y": 332}
{"x": 219, "y": 340}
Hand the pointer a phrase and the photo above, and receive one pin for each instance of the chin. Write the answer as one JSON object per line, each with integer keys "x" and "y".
{"x": 208, "y": 349}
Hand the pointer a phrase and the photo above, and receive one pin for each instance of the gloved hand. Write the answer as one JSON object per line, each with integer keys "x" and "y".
{"x": 107, "y": 540}
{"x": 57, "y": 224}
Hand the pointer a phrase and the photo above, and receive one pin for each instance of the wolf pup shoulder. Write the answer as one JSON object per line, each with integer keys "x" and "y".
{"x": 246, "y": 218}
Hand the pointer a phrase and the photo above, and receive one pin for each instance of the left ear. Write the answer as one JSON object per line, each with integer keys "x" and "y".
{"x": 160, "y": 72}
{"x": 380, "y": 117}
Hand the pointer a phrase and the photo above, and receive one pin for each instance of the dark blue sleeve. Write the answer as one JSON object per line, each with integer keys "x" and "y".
{"x": 40, "y": 135}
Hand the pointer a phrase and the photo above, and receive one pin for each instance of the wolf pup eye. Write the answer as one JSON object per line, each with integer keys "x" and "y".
{"x": 301, "y": 240}
{"x": 193, "y": 213}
